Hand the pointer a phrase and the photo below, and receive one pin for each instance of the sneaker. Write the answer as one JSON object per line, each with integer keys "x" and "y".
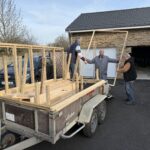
{"x": 109, "y": 96}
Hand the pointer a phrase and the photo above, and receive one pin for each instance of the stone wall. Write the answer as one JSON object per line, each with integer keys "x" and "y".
{"x": 137, "y": 37}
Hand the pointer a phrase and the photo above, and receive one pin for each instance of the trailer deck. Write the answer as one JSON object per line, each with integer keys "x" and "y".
{"x": 58, "y": 91}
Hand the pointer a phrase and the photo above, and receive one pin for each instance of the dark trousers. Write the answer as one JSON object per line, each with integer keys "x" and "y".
{"x": 71, "y": 69}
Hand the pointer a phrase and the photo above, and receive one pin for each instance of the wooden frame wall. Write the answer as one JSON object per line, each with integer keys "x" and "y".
{"x": 20, "y": 78}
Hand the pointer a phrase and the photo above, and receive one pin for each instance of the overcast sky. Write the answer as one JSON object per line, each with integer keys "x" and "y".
{"x": 47, "y": 19}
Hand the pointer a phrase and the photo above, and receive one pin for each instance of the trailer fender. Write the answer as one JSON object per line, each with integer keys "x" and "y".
{"x": 87, "y": 109}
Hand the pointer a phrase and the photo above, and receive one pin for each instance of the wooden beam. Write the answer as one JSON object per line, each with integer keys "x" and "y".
{"x": 14, "y": 50}
{"x": 25, "y": 46}
{"x": 123, "y": 48}
{"x": 97, "y": 74}
{"x": 24, "y": 77}
{"x": 63, "y": 65}
{"x": 5, "y": 73}
{"x": 31, "y": 64}
{"x": 20, "y": 67}
{"x": 54, "y": 64}
{"x": 77, "y": 82}
{"x": 90, "y": 42}
{"x": 82, "y": 83}
{"x": 37, "y": 92}
{"x": 67, "y": 74}
{"x": 44, "y": 56}
{"x": 43, "y": 75}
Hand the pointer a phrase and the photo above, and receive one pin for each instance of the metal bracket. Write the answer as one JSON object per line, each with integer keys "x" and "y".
{"x": 74, "y": 133}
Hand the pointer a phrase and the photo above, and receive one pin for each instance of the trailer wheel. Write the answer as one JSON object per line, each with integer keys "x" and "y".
{"x": 8, "y": 139}
{"x": 90, "y": 127}
{"x": 101, "y": 111}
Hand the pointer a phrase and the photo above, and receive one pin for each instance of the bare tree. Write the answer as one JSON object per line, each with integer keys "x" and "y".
{"x": 11, "y": 28}
{"x": 61, "y": 41}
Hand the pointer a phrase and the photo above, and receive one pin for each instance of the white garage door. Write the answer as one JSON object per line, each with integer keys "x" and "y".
{"x": 87, "y": 70}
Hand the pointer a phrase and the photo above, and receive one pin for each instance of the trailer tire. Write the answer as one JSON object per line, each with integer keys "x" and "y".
{"x": 101, "y": 111}
{"x": 8, "y": 139}
{"x": 91, "y": 127}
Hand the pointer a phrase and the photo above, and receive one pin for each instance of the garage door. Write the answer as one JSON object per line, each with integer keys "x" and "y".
{"x": 87, "y": 70}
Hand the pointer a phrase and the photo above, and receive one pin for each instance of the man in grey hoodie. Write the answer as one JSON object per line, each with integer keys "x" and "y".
{"x": 101, "y": 62}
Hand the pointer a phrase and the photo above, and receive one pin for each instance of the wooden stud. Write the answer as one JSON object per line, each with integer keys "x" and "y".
{"x": 90, "y": 42}
{"x": 20, "y": 67}
{"x": 14, "y": 50}
{"x": 94, "y": 52}
{"x": 44, "y": 56}
{"x": 97, "y": 74}
{"x": 24, "y": 77}
{"x": 25, "y": 46}
{"x": 82, "y": 83}
{"x": 77, "y": 82}
{"x": 36, "y": 99}
{"x": 5, "y": 73}
{"x": 42, "y": 75}
{"x": 54, "y": 63}
{"x": 67, "y": 74}
{"x": 20, "y": 72}
{"x": 31, "y": 64}
{"x": 63, "y": 65}
{"x": 123, "y": 48}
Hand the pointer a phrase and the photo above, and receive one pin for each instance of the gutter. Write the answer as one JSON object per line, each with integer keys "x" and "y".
{"x": 108, "y": 29}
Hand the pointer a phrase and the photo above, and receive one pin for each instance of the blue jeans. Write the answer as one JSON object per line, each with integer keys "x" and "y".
{"x": 129, "y": 87}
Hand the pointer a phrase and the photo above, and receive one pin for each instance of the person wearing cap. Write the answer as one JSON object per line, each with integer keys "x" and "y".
{"x": 130, "y": 75}
{"x": 75, "y": 51}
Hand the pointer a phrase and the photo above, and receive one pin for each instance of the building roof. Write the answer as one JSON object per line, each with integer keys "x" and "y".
{"x": 127, "y": 18}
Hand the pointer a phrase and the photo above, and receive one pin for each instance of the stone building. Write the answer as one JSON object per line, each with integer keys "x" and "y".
{"x": 135, "y": 21}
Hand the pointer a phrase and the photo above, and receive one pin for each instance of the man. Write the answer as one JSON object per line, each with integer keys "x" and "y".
{"x": 129, "y": 73}
{"x": 75, "y": 51}
{"x": 101, "y": 62}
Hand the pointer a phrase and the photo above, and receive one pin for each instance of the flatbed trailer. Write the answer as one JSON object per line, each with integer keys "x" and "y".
{"x": 51, "y": 123}
{"x": 48, "y": 110}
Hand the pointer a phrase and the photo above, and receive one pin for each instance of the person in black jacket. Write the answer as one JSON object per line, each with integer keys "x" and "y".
{"x": 75, "y": 51}
{"x": 130, "y": 75}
